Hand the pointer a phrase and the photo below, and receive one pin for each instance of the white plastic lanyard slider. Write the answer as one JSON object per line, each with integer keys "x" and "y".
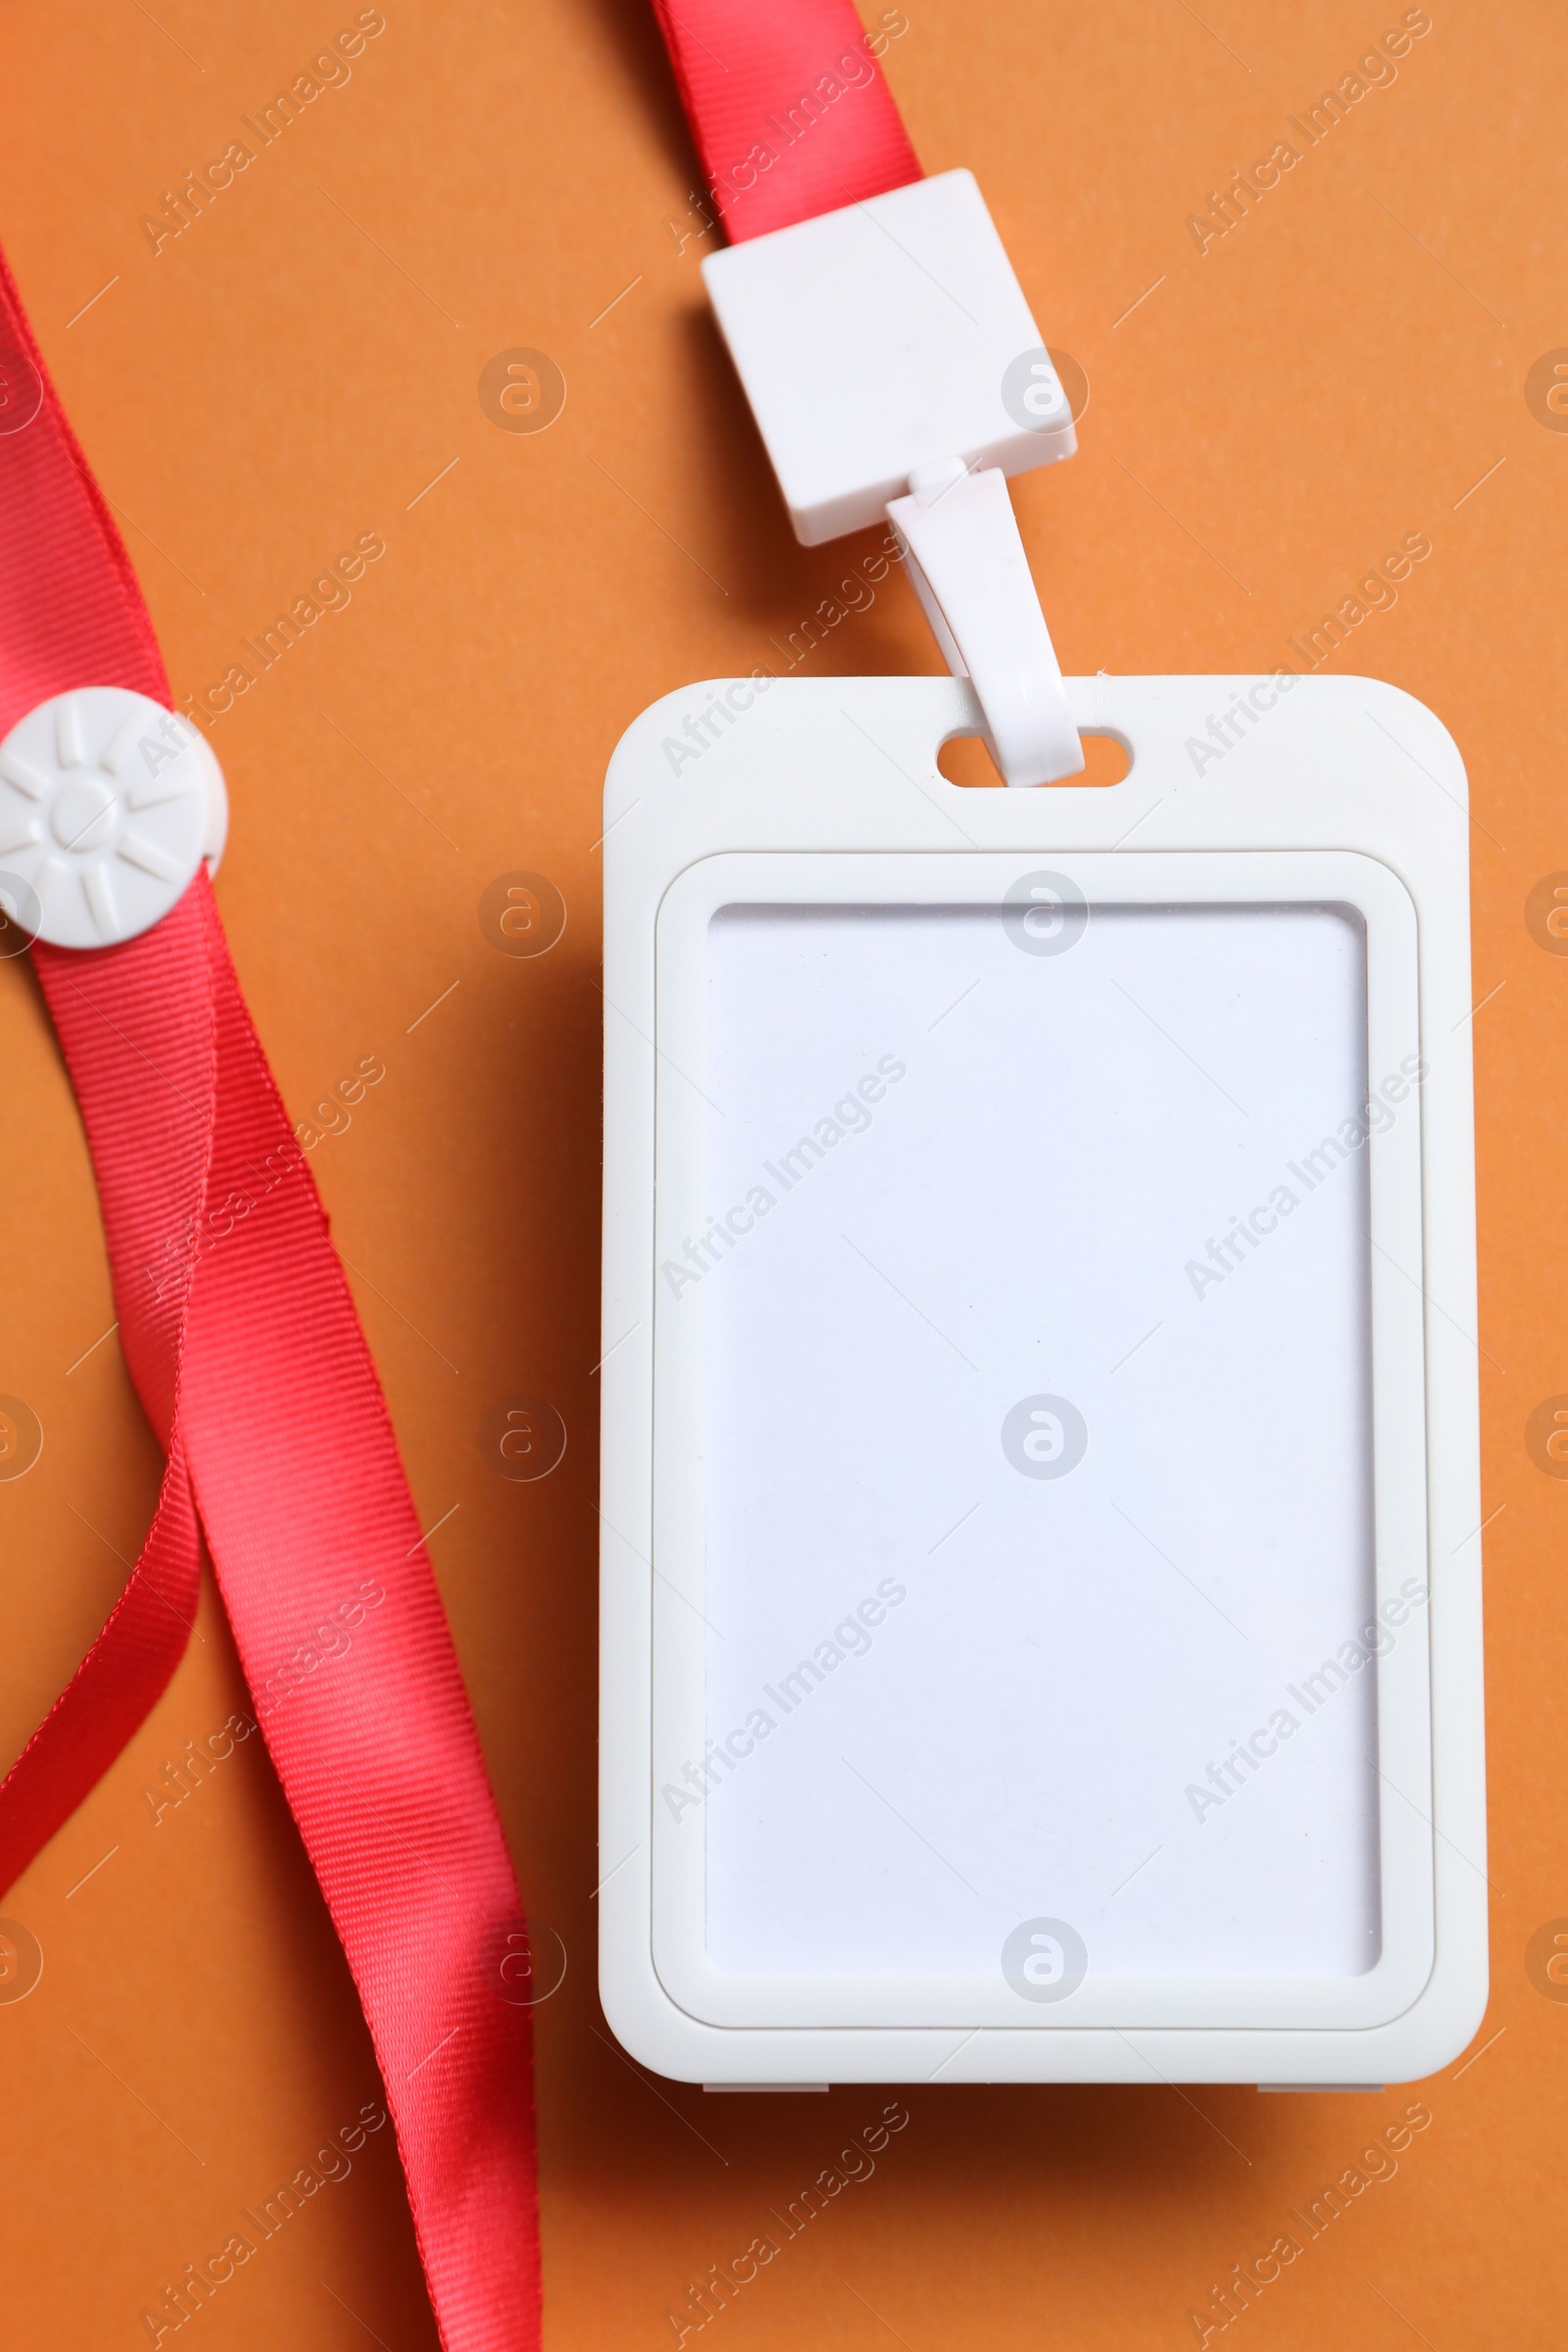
{"x": 894, "y": 369}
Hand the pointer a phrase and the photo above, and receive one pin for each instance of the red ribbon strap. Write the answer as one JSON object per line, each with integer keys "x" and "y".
{"x": 248, "y": 1357}
{"x": 788, "y": 108}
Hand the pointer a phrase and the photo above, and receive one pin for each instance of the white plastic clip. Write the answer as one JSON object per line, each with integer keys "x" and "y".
{"x": 968, "y": 566}
{"x": 893, "y": 365}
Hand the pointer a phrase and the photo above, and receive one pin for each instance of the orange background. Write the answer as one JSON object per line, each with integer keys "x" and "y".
{"x": 294, "y": 371}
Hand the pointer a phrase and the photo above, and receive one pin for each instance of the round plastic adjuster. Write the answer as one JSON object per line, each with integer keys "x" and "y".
{"x": 108, "y": 804}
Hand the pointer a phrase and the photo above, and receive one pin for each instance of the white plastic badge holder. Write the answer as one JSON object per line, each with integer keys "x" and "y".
{"x": 1042, "y": 1632}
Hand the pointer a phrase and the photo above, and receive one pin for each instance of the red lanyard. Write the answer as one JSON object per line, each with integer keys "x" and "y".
{"x": 788, "y": 108}
{"x": 243, "y": 1342}
{"x": 247, "y": 1354}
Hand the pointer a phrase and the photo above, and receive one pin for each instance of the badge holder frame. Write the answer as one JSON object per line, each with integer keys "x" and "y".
{"x": 829, "y": 791}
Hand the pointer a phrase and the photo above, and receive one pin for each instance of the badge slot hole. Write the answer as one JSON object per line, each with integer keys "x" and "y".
{"x": 964, "y": 761}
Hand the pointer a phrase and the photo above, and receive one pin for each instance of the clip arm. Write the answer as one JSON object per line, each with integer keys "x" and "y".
{"x": 967, "y": 564}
